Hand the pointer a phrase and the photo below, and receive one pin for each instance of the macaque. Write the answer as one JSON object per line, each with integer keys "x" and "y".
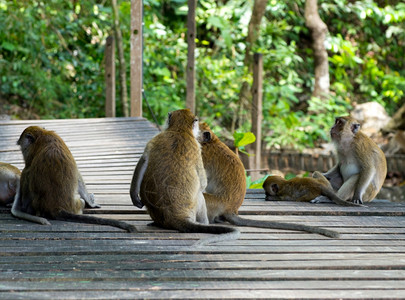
{"x": 361, "y": 169}
{"x": 9, "y": 178}
{"x": 226, "y": 187}
{"x": 301, "y": 189}
{"x": 50, "y": 181}
{"x": 170, "y": 178}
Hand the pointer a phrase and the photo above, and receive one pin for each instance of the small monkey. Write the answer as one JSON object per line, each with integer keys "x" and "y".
{"x": 170, "y": 178}
{"x": 50, "y": 181}
{"x": 301, "y": 189}
{"x": 362, "y": 167}
{"x": 226, "y": 187}
{"x": 9, "y": 178}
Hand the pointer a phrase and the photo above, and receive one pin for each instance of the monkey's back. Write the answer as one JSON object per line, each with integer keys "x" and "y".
{"x": 52, "y": 177}
{"x": 171, "y": 183}
{"x": 225, "y": 174}
{"x": 301, "y": 189}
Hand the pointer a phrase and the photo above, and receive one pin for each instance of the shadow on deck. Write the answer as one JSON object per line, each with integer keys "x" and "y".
{"x": 70, "y": 261}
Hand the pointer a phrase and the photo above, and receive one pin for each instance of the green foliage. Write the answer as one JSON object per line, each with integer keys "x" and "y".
{"x": 257, "y": 184}
{"x": 52, "y": 60}
{"x": 242, "y": 139}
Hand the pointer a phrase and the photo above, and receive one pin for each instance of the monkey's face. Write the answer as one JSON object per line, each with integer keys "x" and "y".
{"x": 344, "y": 126}
{"x": 28, "y": 138}
{"x": 272, "y": 184}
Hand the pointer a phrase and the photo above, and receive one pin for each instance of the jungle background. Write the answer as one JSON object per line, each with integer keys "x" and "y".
{"x": 52, "y": 61}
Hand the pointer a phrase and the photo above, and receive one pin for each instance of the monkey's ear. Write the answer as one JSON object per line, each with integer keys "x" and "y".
{"x": 30, "y": 138}
{"x": 206, "y": 136}
{"x": 355, "y": 128}
{"x": 274, "y": 188}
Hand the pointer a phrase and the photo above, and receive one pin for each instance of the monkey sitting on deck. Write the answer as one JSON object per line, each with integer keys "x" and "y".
{"x": 170, "y": 178}
{"x": 9, "y": 179}
{"x": 362, "y": 167}
{"x": 226, "y": 187}
{"x": 301, "y": 189}
{"x": 49, "y": 182}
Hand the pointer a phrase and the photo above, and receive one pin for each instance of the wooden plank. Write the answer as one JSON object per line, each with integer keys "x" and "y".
{"x": 71, "y": 260}
{"x": 190, "y": 71}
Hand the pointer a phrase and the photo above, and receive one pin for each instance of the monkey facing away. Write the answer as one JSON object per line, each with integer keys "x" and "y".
{"x": 362, "y": 167}
{"x": 301, "y": 189}
{"x": 9, "y": 179}
{"x": 170, "y": 178}
{"x": 226, "y": 187}
{"x": 50, "y": 181}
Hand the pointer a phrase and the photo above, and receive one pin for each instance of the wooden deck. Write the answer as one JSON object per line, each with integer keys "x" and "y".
{"x": 71, "y": 261}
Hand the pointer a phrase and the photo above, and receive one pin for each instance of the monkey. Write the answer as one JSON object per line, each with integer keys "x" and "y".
{"x": 226, "y": 187}
{"x": 9, "y": 178}
{"x": 169, "y": 180}
{"x": 301, "y": 189}
{"x": 361, "y": 168}
{"x": 50, "y": 181}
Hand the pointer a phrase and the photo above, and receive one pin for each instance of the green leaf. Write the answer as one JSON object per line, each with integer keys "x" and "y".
{"x": 243, "y": 138}
{"x": 258, "y": 184}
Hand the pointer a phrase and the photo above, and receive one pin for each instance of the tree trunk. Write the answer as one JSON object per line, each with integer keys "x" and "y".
{"x": 245, "y": 94}
{"x": 318, "y": 30}
{"x": 121, "y": 59}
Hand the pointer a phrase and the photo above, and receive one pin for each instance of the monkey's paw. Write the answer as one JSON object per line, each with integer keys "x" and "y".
{"x": 357, "y": 201}
{"x": 91, "y": 202}
{"x": 321, "y": 199}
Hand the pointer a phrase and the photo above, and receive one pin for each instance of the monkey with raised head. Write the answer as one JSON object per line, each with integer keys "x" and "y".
{"x": 362, "y": 167}
{"x": 301, "y": 189}
{"x": 226, "y": 187}
{"x": 9, "y": 178}
{"x": 49, "y": 182}
{"x": 170, "y": 178}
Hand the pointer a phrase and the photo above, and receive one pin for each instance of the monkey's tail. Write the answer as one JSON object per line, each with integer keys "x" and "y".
{"x": 239, "y": 221}
{"x": 224, "y": 233}
{"x": 66, "y": 216}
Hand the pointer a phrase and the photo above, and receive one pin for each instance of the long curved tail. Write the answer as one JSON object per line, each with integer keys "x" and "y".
{"x": 66, "y": 216}
{"x": 223, "y": 233}
{"x": 237, "y": 220}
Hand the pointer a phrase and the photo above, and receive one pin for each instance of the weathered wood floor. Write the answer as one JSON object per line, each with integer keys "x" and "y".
{"x": 72, "y": 261}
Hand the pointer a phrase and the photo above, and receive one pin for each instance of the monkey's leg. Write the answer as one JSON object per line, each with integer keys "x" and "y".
{"x": 85, "y": 195}
{"x": 334, "y": 177}
{"x": 201, "y": 215}
{"x": 16, "y": 209}
{"x": 346, "y": 191}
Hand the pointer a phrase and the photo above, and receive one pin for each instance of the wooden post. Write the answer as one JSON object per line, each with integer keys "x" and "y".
{"x": 257, "y": 111}
{"x": 136, "y": 58}
{"x": 109, "y": 54}
{"x": 190, "y": 72}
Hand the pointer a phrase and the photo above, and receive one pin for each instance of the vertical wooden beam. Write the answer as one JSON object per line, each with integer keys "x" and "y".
{"x": 136, "y": 58}
{"x": 109, "y": 54}
{"x": 190, "y": 72}
{"x": 257, "y": 113}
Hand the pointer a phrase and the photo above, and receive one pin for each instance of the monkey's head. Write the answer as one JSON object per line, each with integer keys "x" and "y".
{"x": 183, "y": 120}
{"x": 206, "y": 135}
{"x": 273, "y": 184}
{"x": 344, "y": 127}
{"x": 28, "y": 138}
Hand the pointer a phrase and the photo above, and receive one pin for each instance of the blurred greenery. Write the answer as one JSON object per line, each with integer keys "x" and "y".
{"x": 52, "y": 60}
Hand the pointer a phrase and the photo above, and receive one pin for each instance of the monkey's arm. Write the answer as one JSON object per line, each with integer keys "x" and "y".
{"x": 137, "y": 180}
{"x": 85, "y": 195}
{"x": 365, "y": 178}
{"x": 335, "y": 177}
{"x": 16, "y": 210}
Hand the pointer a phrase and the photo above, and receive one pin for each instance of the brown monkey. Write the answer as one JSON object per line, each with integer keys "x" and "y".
{"x": 361, "y": 169}
{"x": 226, "y": 187}
{"x": 49, "y": 182}
{"x": 9, "y": 178}
{"x": 301, "y": 189}
{"x": 170, "y": 177}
